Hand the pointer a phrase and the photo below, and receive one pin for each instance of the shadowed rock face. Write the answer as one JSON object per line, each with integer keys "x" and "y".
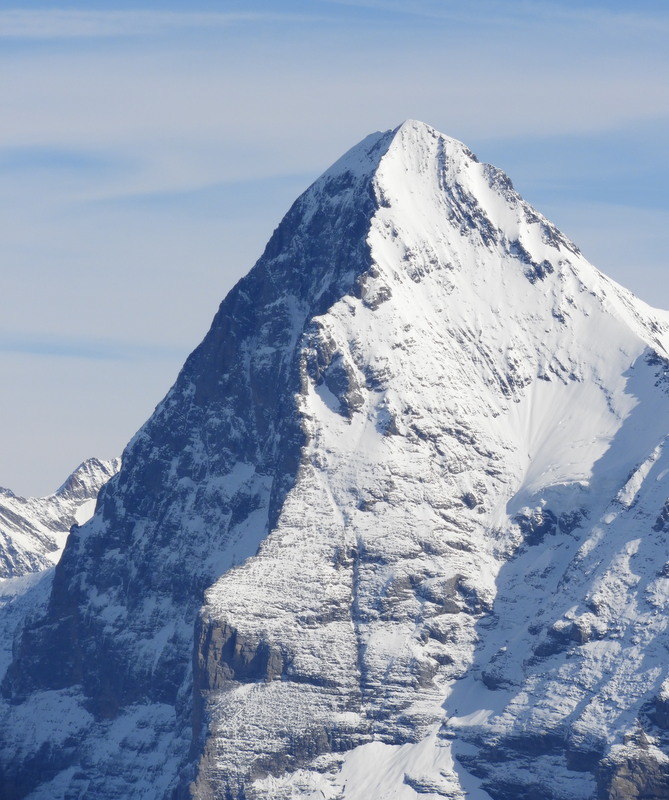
{"x": 202, "y": 483}
{"x": 396, "y": 527}
{"x": 633, "y": 774}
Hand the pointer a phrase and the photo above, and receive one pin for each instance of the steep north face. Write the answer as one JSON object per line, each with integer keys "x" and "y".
{"x": 397, "y": 531}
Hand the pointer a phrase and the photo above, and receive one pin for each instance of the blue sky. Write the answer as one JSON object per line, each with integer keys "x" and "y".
{"x": 147, "y": 152}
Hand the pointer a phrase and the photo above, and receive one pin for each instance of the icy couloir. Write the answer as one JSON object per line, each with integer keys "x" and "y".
{"x": 397, "y": 531}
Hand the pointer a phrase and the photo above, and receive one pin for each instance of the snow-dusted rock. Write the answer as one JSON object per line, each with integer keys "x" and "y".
{"x": 33, "y": 530}
{"x": 398, "y": 530}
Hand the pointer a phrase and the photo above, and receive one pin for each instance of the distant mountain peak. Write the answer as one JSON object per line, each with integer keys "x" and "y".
{"x": 88, "y": 477}
{"x": 33, "y": 530}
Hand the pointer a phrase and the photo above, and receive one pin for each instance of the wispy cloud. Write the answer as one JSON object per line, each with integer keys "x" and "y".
{"x": 487, "y": 13}
{"x": 66, "y": 24}
{"x": 82, "y": 347}
{"x": 124, "y": 133}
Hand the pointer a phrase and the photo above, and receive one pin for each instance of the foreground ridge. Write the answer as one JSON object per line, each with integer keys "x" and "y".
{"x": 398, "y": 529}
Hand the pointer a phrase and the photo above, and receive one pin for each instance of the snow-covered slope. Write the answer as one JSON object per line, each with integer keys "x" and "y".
{"x": 398, "y": 530}
{"x": 33, "y": 530}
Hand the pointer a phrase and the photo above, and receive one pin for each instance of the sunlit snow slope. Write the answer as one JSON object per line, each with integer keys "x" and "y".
{"x": 398, "y": 530}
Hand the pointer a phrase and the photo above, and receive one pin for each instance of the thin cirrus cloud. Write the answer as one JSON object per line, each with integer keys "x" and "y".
{"x": 145, "y": 157}
{"x": 223, "y": 115}
{"x": 76, "y": 24}
{"x": 494, "y": 12}
{"x": 235, "y": 77}
{"x": 86, "y": 348}
{"x": 246, "y": 60}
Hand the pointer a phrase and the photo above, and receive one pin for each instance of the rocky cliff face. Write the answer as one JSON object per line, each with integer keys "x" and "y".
{"x": 397, "y": 530}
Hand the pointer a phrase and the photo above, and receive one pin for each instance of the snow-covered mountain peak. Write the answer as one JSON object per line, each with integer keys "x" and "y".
{"x": 396, "y": 531}
{"x": 435, "y": 200}
{"x": 438, "y": 201}
{"x": 414, "y": 138}
{"x": 87, "y": 478}
{"x": 33, "y": 530}
{"x": 361, "y": 160}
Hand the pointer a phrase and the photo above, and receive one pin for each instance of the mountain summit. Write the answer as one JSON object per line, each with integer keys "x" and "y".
{"x": 397, "y": 531}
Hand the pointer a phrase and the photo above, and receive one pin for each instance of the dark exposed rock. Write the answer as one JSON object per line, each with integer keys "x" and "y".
{"x": 662, "y": 522}
{"x": 470, "y": 500}
{"x": 658, "y": 711}
{"x": 661, "y": 365}
{"x": 570, "y": 520}
{"x": 565, "y": 634}
{"x": 515, "y": 790}
{"x": 233, "y": 403}
{"x": 633, "y": 774}
{"x": 582, "y": 760}
{"x": 536, "y": 525}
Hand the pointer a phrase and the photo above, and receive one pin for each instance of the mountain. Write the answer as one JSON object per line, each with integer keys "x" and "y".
{"x": 33, "y": 530}
{"x": 397, "y": 531}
